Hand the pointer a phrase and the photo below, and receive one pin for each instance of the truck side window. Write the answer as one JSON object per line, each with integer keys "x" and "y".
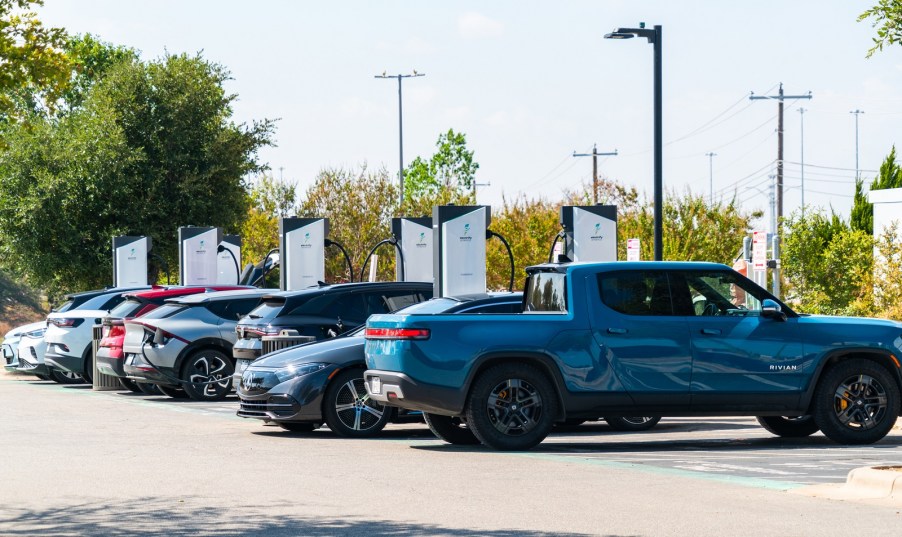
{"x": 636, "y": 292}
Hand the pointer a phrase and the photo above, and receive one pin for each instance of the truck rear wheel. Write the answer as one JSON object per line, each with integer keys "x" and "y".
{"x": 856, "y": 402}
{"x": 789, "y": 426}
{"x": 511, "y": 407}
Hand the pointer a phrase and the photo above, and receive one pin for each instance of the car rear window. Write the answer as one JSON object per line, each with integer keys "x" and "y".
{"x": 126, "y": 308}
{"x": 166, "y": 310}
{"x": 267, "y": 310}
{"x": 547, "y": 293}
{"x": 65, "y": 306}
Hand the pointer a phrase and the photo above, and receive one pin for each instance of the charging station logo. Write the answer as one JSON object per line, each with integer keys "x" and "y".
{"x": 466, "y": 236}
{"x": 131, "y": 255}
{"x": 202, "y": 249}
{"x": 596, "y": 235}
{"x": 421, "y": 242}
{"x": 306, "y": 243}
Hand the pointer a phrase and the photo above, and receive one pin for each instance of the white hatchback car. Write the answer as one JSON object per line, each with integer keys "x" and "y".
{"x": 12, "y": 340}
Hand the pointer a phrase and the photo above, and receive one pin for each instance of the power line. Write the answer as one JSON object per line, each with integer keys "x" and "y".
{"x": 753, "y": 174}
{"x": 832, "y": 167}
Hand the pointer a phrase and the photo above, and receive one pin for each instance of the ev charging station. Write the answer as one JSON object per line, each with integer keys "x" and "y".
{"x": 590, "y": 232}
{"x": 228, "y": 268}
{"x": 130, "y": 260}
{"x": 459, "y": 251}
{"x": 415, "y": 238}
{"x": 302, "y": 246}
{"x": 198, "y": 256}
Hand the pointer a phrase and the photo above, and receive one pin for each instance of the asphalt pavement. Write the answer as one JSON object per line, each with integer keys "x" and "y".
{"x": 80, "y": 462}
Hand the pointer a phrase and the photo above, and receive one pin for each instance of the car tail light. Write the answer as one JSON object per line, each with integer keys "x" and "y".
{"x": 116, "y": 331}
{"x": 65, "y": 323}
{"x": 397, "y": 333}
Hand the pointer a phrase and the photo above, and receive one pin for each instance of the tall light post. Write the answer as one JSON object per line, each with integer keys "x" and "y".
{"x": 711, "y": 173}
{"x": 654, "y": 37}
{"x": 802, "y": 131}
{"x": 857, "y": 113}
{"x": 400, "y": 77}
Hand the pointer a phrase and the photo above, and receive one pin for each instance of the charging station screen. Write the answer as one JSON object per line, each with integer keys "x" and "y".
{"x": 594, "y": 237}
{"x": 305, "y": 256}
{"x": 416, "y": 245}
{"x": 131, "y": 263}
{"x": 463, "y": 258}
{"x": 201, "y": 266}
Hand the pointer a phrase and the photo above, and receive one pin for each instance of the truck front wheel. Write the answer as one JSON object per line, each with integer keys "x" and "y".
{"x": 856, "y": 402}
{"x": 511, "y": 407}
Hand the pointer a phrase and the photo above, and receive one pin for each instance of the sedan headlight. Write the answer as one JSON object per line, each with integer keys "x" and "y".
{"x": 299, "y": 370}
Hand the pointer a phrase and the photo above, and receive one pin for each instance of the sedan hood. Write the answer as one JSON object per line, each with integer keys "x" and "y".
{"x": 330, "y": 351}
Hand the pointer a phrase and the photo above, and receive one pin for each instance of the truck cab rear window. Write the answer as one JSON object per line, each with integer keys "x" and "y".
{"x": 547, "y": 292}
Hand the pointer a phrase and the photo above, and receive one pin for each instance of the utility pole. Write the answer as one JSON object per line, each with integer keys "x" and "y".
{"x": 780, "y": 97}
{"x": 773, "y": 205}
{"x": 802, "y": 130}
{"x": 711, "y": 173}
{"x": 594, "y": 154}
{"x": 857, "y": 172}
{"x": 475, "y": 184}
{"x": 400, "y": 129}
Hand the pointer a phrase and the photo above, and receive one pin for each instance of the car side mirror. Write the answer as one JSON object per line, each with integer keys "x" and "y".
{"x": 771, "y": 310}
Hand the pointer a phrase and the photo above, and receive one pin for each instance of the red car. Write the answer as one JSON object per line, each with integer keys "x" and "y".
{"x": 109, "y": 354}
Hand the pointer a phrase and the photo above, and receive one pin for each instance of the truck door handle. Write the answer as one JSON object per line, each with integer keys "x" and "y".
{"x": 711, "y": 331}
{"x": 617, "y": 330}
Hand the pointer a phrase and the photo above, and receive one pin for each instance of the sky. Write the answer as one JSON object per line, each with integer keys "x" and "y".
{"x": 531, "y": 82}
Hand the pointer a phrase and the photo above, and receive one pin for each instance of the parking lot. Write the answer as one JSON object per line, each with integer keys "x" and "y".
{"x": 80, "y": 462}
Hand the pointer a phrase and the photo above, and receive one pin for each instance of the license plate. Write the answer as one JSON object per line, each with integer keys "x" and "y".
{"x": 241, "y": 365}
{"x": 376, "y": 385}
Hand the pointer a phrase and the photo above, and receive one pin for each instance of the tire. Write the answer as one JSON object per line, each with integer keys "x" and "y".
{"x": 65, "y": 377}
{"x": 43, "y": 377}
{"x": 789, "y": 427}
{"x": 633, "y": 423}
{"x": 130, "y": 385}
{"x": 88, "y": 373}
{"x": 172, "y": 391}
{"x": 149, "y": 389}
{"x": 856, "y": 402}
{"x": 348, "y": 409}
{"x": 298, "y": 427}
{"x": 511, "y": 407}
{"x": 450, "y": 429}
{"x": 207, "y": 375}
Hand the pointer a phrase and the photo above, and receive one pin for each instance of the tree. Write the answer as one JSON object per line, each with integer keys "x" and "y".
{"x": 447, "y": 177}
{"x": 32, "y": 61}
{"x": 152, "y": 148}
{"x": 359, "y": 205}
{"x": 529, "y": 226}
{"x": 889, "y": 176}
{"x": 826, "y": 263}
{"x": 887, "y": 15}
{"x": 268, "y": 200}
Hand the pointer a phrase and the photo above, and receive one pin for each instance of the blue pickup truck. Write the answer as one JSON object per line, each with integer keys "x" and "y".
{"x": 639, "y": 339}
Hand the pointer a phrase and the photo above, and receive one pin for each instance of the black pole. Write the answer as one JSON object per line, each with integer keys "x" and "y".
{"x": 400, "y": 145}
{"x": 659, "y": 145}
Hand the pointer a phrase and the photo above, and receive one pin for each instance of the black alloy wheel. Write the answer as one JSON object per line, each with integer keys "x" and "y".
{"x": 172, "y": 391}
{"x": 512, "y": 407}
{"x": 348, "y": 408}
{"x": 88, "y": 373}
{"x": 65, "y": 377}
{"x": 207, "y": 375}
{"x": 789, "y": 426}
{"x": 451, "y": 429}
{"x": 856, "y": 402}
{"x": 130, "y": 385}
{"x": 633, "y": 423}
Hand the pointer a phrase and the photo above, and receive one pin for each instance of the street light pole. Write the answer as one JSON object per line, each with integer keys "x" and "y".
{"x": 654, "y": 37}
{"x": 802, "y": 131}
{"x": 400, "y": 129}
{"x": 711, "y": 173}
{"x": 857, "y": 113}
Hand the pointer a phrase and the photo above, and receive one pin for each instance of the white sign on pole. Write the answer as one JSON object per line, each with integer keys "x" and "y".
{"x": 759, "y": 251}
{"x": 463, "y": 258}
{"x": 632, "y": 250}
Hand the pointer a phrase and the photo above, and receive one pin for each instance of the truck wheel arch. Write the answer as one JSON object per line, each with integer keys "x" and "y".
{"x": 878, "y": 356}
{"x": 544, "y": 362}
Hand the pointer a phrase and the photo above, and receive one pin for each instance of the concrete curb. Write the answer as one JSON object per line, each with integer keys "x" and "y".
{"x": 880, "y": 485}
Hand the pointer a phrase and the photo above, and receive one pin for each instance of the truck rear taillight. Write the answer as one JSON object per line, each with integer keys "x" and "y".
{"x": 116, "y": 331}
{"x": 65, "y": 322}
{"x": 397, "y": 333}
